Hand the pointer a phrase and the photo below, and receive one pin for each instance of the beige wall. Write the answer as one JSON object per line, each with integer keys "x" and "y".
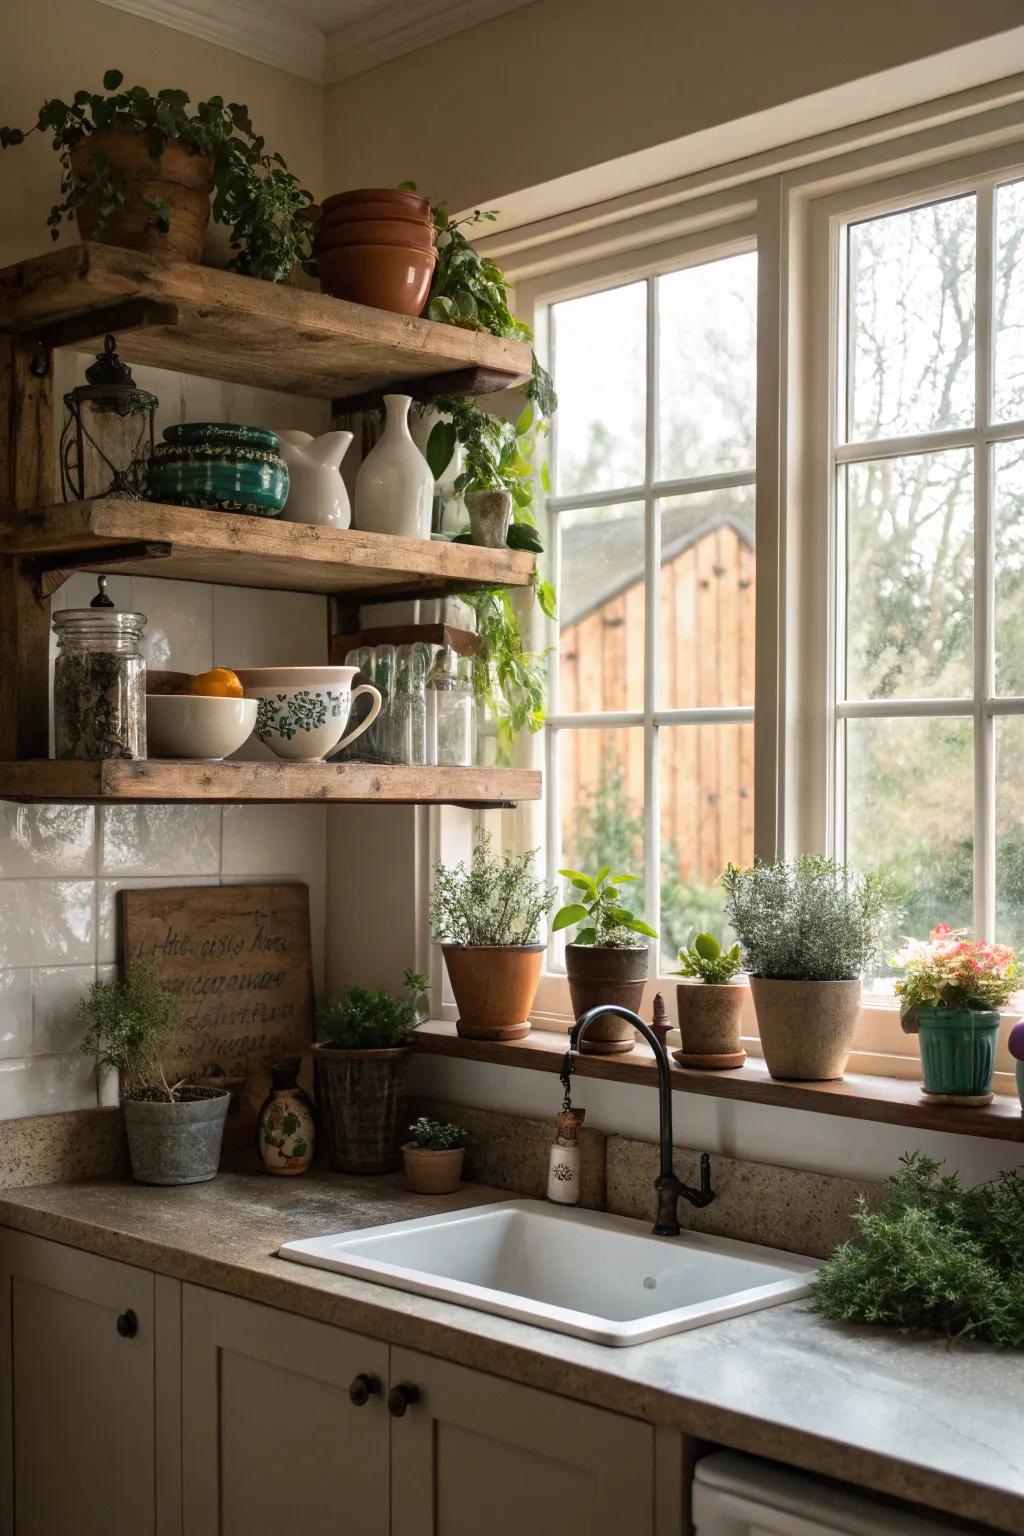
{"x": 561, "y": 85}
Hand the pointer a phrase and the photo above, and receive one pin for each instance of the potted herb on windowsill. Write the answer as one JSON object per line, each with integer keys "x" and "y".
{"x": 487, "y": 920}
{"x": 950, "y": 998}
{"x": 807, "y": 929}
{"x": 360, "y": 1065}
{"x": 174, "y": 1129}
{"x": 433, "y": 1157}
{"x": 608, "y": 959}
{"x": 709, "y": 1004}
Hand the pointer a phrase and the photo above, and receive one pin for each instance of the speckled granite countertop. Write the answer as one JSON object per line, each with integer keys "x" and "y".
{"x": 943, "y": 1427}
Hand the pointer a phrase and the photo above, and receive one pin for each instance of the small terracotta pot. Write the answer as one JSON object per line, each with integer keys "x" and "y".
{"x": 391, "y": 277}
{"x": 490, "y": 513}
{"x": 494, "y": 987}
{"x": 432, "y": 1173}
{"x": 709, "y": 1023}
{"x": 183, "y": 180}
{"x": 392, "y": 197}
{"x": 604, "y": 975}
{"x": 375, "y": 232}
{"x": 806, "y": 1027}
{"x": 364, "y": 1106}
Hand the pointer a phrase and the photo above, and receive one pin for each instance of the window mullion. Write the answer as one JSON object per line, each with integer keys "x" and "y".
{"x": 984, "y": 581}
{"x": 652, "y": 575}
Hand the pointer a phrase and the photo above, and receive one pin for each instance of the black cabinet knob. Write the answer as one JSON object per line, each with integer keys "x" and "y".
{"x": 362, "y": 1389}
{"x": 127, "y": 1324}
{"x": 400, "y": 1398}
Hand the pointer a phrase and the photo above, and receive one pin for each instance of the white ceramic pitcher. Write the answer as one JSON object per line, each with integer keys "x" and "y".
{"x": 317, "y": 493}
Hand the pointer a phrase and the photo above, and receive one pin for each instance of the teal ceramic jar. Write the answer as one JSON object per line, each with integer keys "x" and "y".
{"x": 221, "y": 466}
{"x": 958, "y": 1051}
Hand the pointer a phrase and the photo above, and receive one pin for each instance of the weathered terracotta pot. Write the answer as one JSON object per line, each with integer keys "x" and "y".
{"x": 364, "y": 1106}
{"x": 490, "y": 513}
{"x": 806, "y": 1027}
{"x": 604, "y": 975}
{"x": 709, "y": 1023}
{"x": 391, "y": 277}
{"x": 183, "y": 180}
{"x": 432, "y": 1173}
{"x": 494, "y": 987}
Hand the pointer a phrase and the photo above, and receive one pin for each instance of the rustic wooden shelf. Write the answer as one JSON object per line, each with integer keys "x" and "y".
{"x": 144, "y": 538}
{"x": 157, "y": 779}
{"x": 216, "y": 324}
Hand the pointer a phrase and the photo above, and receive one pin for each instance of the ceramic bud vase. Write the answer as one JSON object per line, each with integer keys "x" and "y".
{"x": 394, "y": 487}
{"x": 285, "y": 1128}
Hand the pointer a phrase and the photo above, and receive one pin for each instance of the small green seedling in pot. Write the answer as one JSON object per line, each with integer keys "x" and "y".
{"x": 707, "y": 961}
{"x": 603, "y": 918}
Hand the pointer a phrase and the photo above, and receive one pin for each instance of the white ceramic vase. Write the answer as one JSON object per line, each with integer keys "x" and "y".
{"x": 316, "y": 492}
{"x": 394, "y": 487}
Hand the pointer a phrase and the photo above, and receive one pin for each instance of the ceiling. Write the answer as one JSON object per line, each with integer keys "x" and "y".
{"x": 322, "y": 40}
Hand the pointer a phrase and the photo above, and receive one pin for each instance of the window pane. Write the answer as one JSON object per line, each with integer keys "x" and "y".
{"x": 706, "y": 618}
{"x": 911, "y": 321}
{"x": 1010, "y": 830}
{"x": 600, "y": 374}
{"x": 1009, "y": 566}
{"x": 707, "y": 321}
{"x": 910, "y": 566}
{"x": 707, "y": 818}
{"x": 909, "y": 796}
{"x": 601, "y": 606}
{"x": 1008, "y": 327}
{"x": 601, "y": 796}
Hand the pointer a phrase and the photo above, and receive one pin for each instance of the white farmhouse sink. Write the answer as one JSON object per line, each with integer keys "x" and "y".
{"x": 581, "y": 1272}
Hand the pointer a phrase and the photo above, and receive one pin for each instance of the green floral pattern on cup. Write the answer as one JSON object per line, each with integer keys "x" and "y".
{"x": 288, "y": 713}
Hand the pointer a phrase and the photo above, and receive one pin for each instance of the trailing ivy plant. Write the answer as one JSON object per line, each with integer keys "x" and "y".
{"x": 271, "y": 217}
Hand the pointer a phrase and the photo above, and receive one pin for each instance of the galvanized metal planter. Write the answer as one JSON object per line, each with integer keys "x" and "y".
{"x": 176, "y": 1143}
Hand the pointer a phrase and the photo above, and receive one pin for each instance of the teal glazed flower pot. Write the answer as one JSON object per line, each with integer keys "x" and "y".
{"x": 220, "y": 466}
{"x": 958, "y": 1051}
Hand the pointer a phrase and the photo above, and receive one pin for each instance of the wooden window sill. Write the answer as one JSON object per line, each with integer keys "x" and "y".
{"x": 890, "y": 1100}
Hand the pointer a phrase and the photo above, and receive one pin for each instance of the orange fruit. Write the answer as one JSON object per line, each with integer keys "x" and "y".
{"x": 218, "y": 683}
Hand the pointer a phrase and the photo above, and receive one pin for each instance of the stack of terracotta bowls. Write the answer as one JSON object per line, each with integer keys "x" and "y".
{"x": 376, "y": 246}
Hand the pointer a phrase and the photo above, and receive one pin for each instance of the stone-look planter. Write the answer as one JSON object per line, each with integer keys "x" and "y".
{"x": 806, "y": 1027}
{"x": 363, "y": 1102}
{"x": 709, "y": 1023}
{"x": 599, "y": 974}
{"x": 430, "y": 1172}
{"x": 490, "y": 513}
{"x": 958, "y": 1052}
{"x": 182, "y": 180}
{"x": 494, "y": 987}
{"x": 176, "y": 1143}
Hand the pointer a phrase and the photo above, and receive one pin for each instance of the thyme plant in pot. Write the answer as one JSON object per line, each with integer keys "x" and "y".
{"x": 360, "y": 1066}
{"x": 433, "y": 1156}
{"x": 487, "y": 920}
{"x": 709, "y": 1004}
{"x": 950, "y": 998}
{"x": 807, "y": 930}
{"x": 608, "y": 959}
{"x": 174, "y": 1129}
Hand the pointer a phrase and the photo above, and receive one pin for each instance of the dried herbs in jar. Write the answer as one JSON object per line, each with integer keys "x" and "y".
{"x": 99, "y": 684}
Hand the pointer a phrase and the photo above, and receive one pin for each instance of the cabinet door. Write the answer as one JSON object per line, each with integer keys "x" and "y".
{"x": 271, "y": 1438}
{"x": 473, "y": 1453}
{"x": 77, "y": 1349}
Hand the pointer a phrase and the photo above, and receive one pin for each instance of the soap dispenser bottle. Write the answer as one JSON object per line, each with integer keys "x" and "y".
{"x": 564, "y": 1158}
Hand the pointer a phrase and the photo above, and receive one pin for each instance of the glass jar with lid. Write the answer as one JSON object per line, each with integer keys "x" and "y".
{"x": 99, "y": 683}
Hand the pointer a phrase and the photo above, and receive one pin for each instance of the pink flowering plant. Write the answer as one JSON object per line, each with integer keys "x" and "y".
{"x": 951, "y": 970}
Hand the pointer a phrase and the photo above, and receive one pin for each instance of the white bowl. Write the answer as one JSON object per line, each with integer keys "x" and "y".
{"x": 189, "y": 725}
{"x": 303, "y": 711}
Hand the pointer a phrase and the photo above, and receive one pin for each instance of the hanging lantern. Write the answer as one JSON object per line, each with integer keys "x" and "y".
{"x": 107, "y": 439}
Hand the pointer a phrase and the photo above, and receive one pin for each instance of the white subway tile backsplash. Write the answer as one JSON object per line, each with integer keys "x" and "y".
{"x": 45, "y": 1085}
{"x": 159, "y": 840}
{"x": 268, "y": 629}
{"x": 179, "y": 623}
{"x": 47, "y": 922}
{"x": 281, "y": 842}
{"x": 15, "y": 1013}
{"x": 107, "y": 932}
{"x": 47, "y": 840}
{"x": 56, "y": 993}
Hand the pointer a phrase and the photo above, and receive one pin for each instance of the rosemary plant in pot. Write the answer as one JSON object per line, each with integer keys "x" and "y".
{"x": 709, "y": 1004}
{"x": 608, "y": 959}
{"x": 807, "y": 929}
{"x": 360, "y": 1066}
{"x": 433, "y": 1156}
{"x": 950, "y": 998}
{"x": 487, "y": 919}
{"x": 174, "y": 1128}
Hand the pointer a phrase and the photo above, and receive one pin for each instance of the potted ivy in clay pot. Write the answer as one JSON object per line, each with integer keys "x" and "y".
{"x": 174, "y": 1128}
{"x": 360, "y": 1066}
{"x": 808, "y": 929}
{"x": 433, "y": 1156}
{"x": 709, "y": 1004}
{"x": 487, "y": 920}
{"x": 608, "y": 959}
{"x": 950, "y": 999}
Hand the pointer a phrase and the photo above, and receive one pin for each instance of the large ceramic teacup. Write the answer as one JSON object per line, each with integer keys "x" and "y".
{"x": 303, "y": 711}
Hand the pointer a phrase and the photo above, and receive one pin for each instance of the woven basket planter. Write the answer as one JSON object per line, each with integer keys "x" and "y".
{"x": 363, "y": 1106}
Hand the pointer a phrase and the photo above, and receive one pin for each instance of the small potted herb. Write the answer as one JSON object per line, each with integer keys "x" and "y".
{"x": 433, "y": 1157}
{"x": 360, "y": 1063}
{"x": 608, "y": 959}
{"x": 487, "y": 920}
{"x": 950, "y": 998}
{"x": 174, "y": 1129}
{"x": 808, "y": 929}
{"x": 709, "y": 1004}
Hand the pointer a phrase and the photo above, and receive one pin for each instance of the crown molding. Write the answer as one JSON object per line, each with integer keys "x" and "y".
{"x": 401, "y": 27}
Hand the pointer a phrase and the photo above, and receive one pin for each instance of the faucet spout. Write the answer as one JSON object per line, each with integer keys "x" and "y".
{"x": 669, "y": 1188}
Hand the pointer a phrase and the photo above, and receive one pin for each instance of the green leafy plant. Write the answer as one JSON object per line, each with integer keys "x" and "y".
{"x": 809, "y": 919}
{"x": 604, "y": 919}
{"x": 437, "y": 1135}
{"x": 127, "y": 1024}
{"x": 361, "y": 1020}
{"x": 933, "y": 1256}
{"x": 707, "y": 961}
{"x": 419, "y": 993}
{"x": 270, "y": 215}
{"x": 497, "y": 900}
